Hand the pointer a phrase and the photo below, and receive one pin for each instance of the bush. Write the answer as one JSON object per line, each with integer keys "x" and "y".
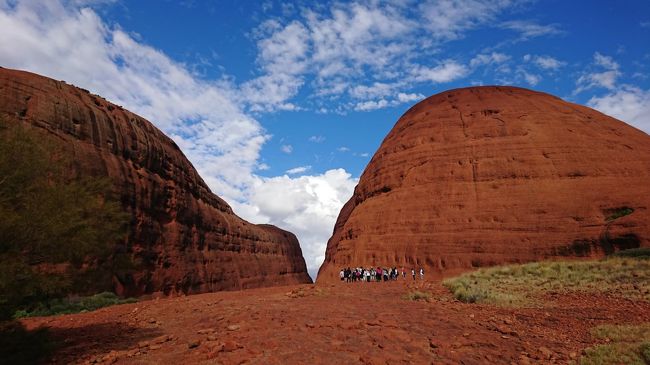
{"x": 417, "y": 295}
{"x": 641, "y": 253}
{"x": 73, "y": 305}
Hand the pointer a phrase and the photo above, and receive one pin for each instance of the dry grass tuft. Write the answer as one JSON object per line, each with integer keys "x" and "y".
{"x": 521, "y": 285}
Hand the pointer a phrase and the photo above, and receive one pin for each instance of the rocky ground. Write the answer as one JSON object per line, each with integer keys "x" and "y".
{"x": 358, "y": 323}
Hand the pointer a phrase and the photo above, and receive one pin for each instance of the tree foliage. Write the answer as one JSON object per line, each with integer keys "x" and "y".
{"x": 54, "y": 226}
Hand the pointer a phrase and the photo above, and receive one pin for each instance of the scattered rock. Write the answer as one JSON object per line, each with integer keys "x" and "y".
{"x": 193, "y": 344}
{"x": 161, "y": 339}
{"x": 233, "y": 327}
{"x": 546, "y": 353}
{"x": 230, "y": 346}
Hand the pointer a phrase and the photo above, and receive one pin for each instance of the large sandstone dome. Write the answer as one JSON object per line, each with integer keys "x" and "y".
{"x": 187, "y": 239}
{"x": 487, "y": 175}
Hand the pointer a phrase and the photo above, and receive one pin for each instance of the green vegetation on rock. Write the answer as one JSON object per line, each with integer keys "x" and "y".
{"x": 522, "y": 285}
{"x": 641, "y": 253}
{"x": 618, "y": 213}
{"x": 55, "y": 227}
{"x": 73, "y": 305}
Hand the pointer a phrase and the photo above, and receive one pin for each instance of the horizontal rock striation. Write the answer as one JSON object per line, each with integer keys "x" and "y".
{"x": 187, "y": 239}
{"x": 489, "y": 175}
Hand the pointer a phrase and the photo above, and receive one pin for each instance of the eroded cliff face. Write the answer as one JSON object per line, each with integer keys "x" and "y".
{"x": 488, "y": 175}
{"x": 188, "y": 239}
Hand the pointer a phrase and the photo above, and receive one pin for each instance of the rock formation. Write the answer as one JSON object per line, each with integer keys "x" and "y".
{"x": 488, "y": 175}
{"x": 187, "y": 239}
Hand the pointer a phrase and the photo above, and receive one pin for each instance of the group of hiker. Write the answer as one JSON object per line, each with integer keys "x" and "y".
{"x": 376, "y": 274}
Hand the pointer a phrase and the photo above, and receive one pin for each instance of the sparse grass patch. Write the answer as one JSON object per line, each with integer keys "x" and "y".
{"x": 629, "y": 345}
{"x": 73, "y": 305}
{"x": 520, "y": 285}
{"x": 641, "y": 253}
{"x": 417, "y": 295}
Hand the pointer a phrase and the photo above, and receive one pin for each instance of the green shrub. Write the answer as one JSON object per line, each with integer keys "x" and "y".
{"x": 417, "y": 295}
{"x": 53, "y": 222}
{"x": 72, "y": 305}
{"x": 642, "y": 252}
{"x": 620, "y": 212}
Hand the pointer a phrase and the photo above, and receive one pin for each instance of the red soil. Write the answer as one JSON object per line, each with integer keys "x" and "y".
{"x": 367, "y": 323}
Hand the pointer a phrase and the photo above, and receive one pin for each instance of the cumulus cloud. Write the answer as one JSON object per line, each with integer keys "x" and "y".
{"x": 307, "y": 206}
{"x": 317, "y": 139}
{"x": 286, "y": 148}
{"x": 629, "y": 104}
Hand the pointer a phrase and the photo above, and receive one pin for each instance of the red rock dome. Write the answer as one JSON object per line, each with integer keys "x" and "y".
{"x": 188, "y": 239}
{"x": 487, "y": 175}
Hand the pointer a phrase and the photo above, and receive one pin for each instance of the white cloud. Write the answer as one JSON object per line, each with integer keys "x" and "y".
{"x": 307, "y": 206}
{"x": 371, "y": 105}
{"x": 343, "y": 149}
{"x": 298, "y": 170}
{"x": 528, "y": 29}
{"x": 486, "y": 59}
{"x": 531, "y": 79}
{"x": 317, "y": 139}
{"x": 361, "y": 54}
{"x": 407, "y": 98}
{"x": 629, "y": 104}
{"x": 445, "y": 72}
{"x": 449, "y": 19}
{"x": 544, "y": 62}
{"x": 286, "y": 148}
{"x": 606, "y": 78}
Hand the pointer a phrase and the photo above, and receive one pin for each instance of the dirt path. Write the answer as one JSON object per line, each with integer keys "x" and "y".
{"x": 359, "y": 323}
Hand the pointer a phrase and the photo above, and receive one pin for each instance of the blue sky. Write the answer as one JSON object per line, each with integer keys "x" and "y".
{"x": 280, "y": 105}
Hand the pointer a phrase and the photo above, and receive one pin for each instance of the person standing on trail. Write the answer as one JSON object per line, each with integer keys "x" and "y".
{"x": 413, "y": 273}
{"x": 342, "y": 274}
{"x": 421, "y": 274}
{"x": 403, "y": 273}
{"x": 378, "y": 272}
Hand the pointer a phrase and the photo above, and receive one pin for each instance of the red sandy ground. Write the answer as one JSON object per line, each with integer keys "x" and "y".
{"x": 358, "y": 323}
